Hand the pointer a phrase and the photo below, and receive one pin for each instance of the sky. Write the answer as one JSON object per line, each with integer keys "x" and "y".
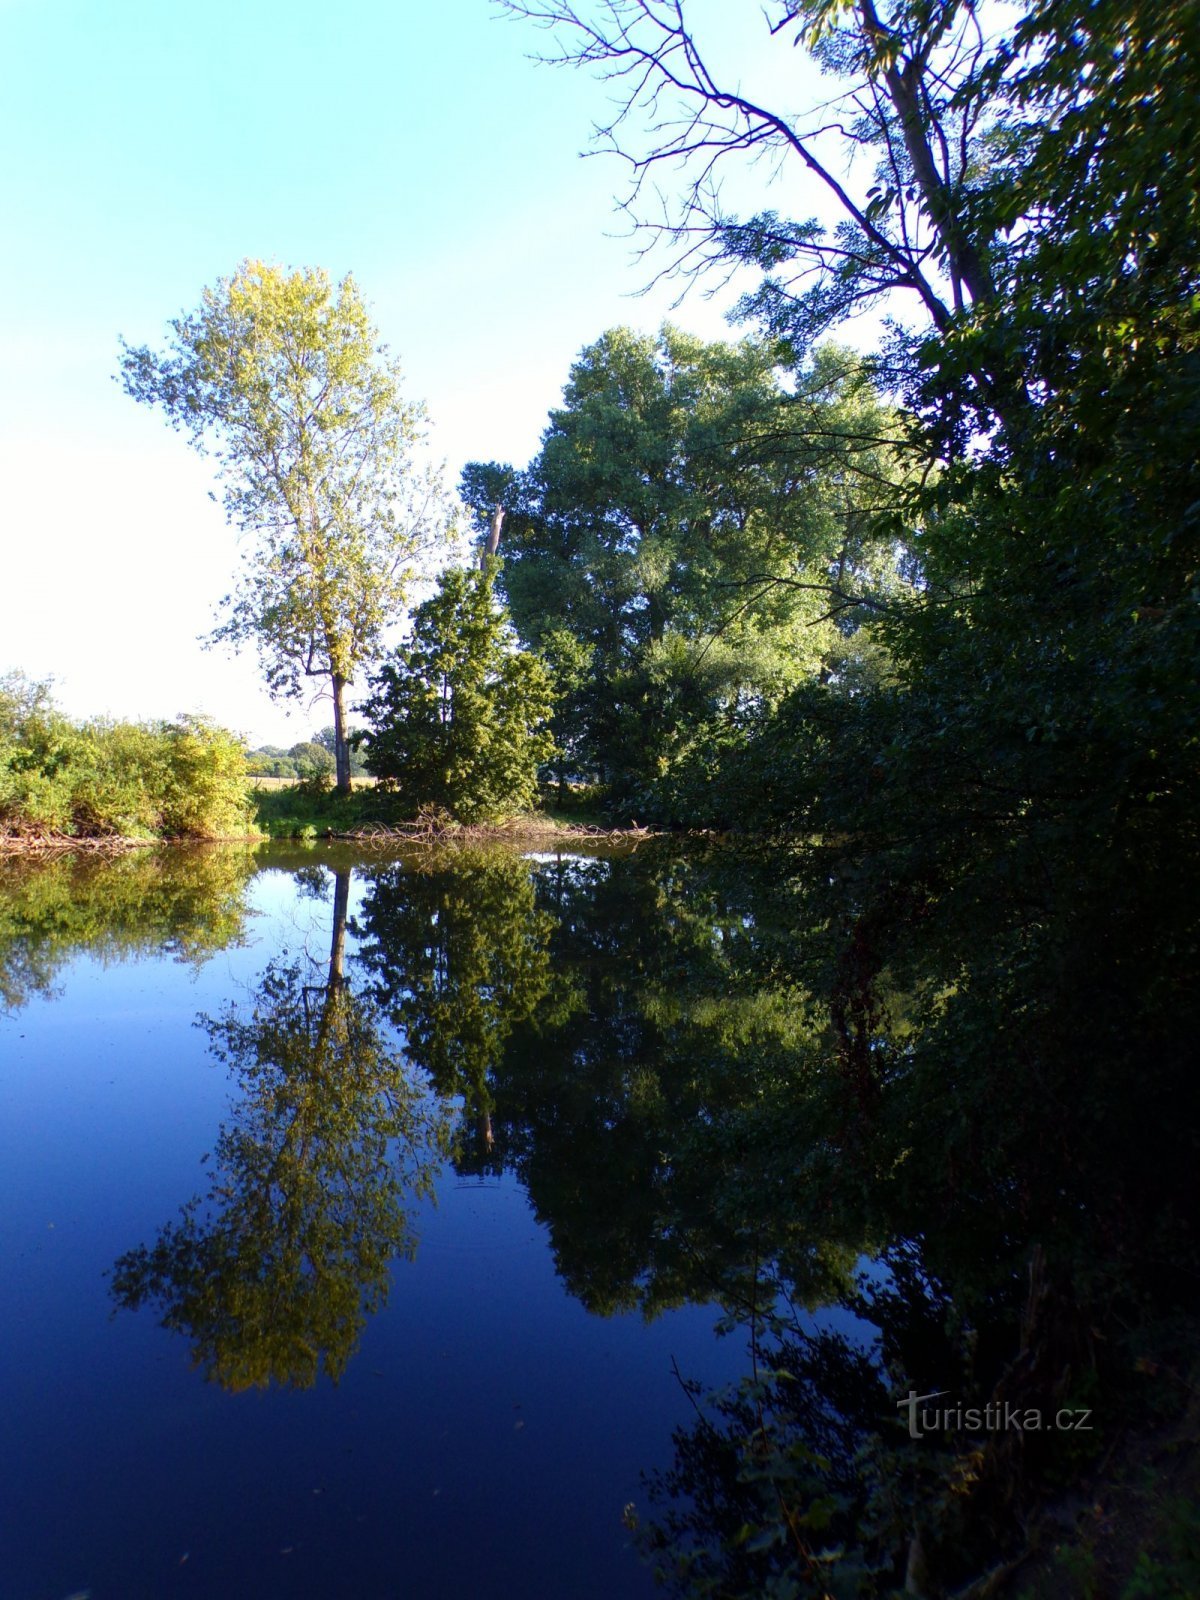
{"x": 152, "y": 145}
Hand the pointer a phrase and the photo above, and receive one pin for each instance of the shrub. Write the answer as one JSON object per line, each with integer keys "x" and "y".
{"x": 98, "y": 778}
{"x": 205, "y": 791}
{"x": 458, "y": 716}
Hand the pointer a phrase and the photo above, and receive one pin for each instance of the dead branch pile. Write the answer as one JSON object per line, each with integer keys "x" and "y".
{"x": 439, "y": 829}
{"x": 45, "y": 844}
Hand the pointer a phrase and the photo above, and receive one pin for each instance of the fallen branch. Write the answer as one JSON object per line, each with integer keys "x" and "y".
{"x": 442, "y": 830}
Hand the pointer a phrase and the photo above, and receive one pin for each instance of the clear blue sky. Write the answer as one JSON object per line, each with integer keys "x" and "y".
{"x": 150, "y": 146}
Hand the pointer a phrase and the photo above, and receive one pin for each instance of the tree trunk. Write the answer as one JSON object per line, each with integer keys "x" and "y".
{"x": 341, "y": 746}
{"x": 492, "y": 543}
{"x": 335, "y": 987}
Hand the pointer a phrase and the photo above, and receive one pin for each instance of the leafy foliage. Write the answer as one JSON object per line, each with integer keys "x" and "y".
{"x": 185, "y": 778}
{"x": 332, "y": 1141}
{"x": 457, "y": 717}
{"x": 672, "y": 547}
{"x": 456, "y": 952}
{"x": 316, "y": 450}
{"x": 995, "y": 801}
{"x": 190, "y": 902}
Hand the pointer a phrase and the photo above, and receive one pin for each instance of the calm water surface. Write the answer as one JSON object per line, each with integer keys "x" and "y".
{"x": 366, "y": 1223}
{"x": 333, "y": 1261}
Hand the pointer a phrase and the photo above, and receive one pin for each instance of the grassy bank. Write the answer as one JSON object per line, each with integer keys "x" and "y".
{"x": 309, "y": 811}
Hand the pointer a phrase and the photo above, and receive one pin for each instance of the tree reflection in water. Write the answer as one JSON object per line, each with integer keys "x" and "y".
{"x": 722, "y": 1079}
{"x": 188, "y": 901}
{"x": 331, "y": 1142}
{"x": 722, "y": 1076}
{"x": 456, "y": 951}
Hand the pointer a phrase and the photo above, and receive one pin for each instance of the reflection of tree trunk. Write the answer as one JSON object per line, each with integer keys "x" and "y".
{"x": 336, "y": 984}
{"x": 341, "y": 747}
{"x": 489, "y": 1138}
{"x": 341, "y": 905}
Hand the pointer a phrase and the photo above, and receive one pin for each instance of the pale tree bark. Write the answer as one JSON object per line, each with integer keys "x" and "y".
{"x": 341, "y": 745}
{"x": 492, "y": 543}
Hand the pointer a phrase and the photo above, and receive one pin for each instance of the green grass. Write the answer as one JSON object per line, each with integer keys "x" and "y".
{"x": 285, "y": 809}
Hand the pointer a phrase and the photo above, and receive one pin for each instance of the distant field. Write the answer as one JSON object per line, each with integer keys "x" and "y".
{"x": 290, "y": 783}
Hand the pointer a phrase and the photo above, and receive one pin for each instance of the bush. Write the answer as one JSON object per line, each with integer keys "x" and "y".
{"x": 459, "y": 716}
{"x": 102, "y": 778}
{"x": 205, "y": 791}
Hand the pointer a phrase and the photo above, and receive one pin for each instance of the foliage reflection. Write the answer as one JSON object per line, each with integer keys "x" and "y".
{"x": 188, "y": 902}
{"x": 721, "y": 1077}
{"x": 331, "y": 1141}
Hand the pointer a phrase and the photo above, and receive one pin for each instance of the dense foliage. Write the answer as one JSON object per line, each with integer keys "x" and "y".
{"x": 333, "y": 1142}
{"x": 91, "y": 779}
{"x": 670, "y": 549}
{"x": 457, "y": 716}
{"x": 307, "y": 758}
{"x": 190, "y": 902}
{"x": 666, "y": 1046}
{"x": 931, "y": 621}
{"x": 996, "y": 787}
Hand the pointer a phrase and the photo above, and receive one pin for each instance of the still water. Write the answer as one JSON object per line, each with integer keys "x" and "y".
{"x": 367, "y": 1223}
{"x": 340, "y": 1253}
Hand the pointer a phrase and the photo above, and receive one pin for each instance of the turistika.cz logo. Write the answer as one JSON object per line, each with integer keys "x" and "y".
{"x": 995, "y": 1417}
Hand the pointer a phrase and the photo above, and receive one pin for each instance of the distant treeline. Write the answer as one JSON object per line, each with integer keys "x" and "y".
{"x": 309, "y": 759}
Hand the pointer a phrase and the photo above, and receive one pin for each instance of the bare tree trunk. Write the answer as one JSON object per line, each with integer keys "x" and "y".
{"x": 492, "y": 544}
{"x": 341, "y": 747}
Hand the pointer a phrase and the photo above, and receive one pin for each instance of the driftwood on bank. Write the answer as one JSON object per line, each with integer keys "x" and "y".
{"x": 428, "y": 829}
{"x": 441, "y": 830}
{"x": 51, "y": 844}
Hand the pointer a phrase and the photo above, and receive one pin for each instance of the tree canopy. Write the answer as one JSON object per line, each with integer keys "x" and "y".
{"x": 672, "y": 547}
{"x": 283, "y": 376}
{"x": 989, "y": 815}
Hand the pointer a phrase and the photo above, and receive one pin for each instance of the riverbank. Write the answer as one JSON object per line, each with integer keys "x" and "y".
{"x": 56, "y": 844}
{"x": 424, "y": 830}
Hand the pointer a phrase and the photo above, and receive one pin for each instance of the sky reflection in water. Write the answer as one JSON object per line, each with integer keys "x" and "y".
{"x": 487, "y": 1429}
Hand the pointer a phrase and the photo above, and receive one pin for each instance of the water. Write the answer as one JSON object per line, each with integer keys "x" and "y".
{"x": 487, "y": 1426}
{"x": 366, "y": 1222}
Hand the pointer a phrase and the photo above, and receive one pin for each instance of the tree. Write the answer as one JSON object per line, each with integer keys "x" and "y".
{"x": 906, "y": 153}
{"x": 317, "y": 1173}
{"x": 458, "y": 715}
{"x": 672, "y": 549}
{"x": 327, "y": 738}
{"x": 456, "y": 951}
{"x": 284, "y": 376}
{"x": 312, "y": 760}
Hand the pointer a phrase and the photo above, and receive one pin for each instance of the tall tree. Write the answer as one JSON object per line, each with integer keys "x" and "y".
{"x": 672, "y": 549}
{"x": 284, "y": 377}
{"x": 457, "y": 716}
